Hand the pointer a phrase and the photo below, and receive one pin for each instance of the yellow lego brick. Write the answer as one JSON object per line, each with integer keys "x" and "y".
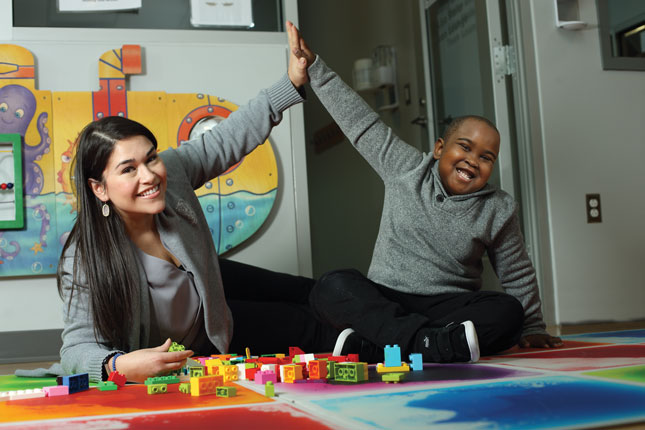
{"x": 380, "y": 368}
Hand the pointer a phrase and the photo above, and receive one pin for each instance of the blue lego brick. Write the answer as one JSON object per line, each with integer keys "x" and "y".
{"x": 392, "y": 356}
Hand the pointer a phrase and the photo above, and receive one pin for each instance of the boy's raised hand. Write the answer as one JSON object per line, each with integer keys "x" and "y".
{"x": 540, "y": 341}
{"x": 300, "y": 57}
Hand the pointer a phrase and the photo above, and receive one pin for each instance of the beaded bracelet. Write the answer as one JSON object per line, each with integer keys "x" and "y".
{"x": 6, "y": 186}
{"x": 117, "y": 355}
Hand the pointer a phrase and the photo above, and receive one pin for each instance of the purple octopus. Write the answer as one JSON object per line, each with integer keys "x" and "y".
{"x": 17, "y": 108}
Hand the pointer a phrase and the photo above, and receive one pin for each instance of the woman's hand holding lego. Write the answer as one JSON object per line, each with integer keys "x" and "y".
{"x": 300, "y": 57}
{"x": 139, "y": 365}
{"x": 540, "y": 341}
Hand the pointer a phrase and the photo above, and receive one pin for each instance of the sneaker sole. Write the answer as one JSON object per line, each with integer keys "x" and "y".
{"x": 340, "y": 341}
{"x": 473, "y": 341}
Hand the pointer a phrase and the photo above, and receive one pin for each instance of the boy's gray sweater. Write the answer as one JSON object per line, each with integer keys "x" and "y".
{"x": 430, "y": 242}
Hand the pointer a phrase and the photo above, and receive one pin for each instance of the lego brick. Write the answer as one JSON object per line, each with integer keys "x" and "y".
{"x": 395, "y": 377}
{"x": 350, "y": 372}
{"x": 26, "y": 394}
{"x": 353, "y": 358}
{"x": 250, "y": 373}
{"x": 417, "y": 361}
{"x": 176, "y": 347}
{"x": 269, "y": 389}
{"x": 195, "y": 371}
{"x": 157, "y": 388}
{"x": 291, "y": 373}
{"x": 56, "y": 390}
{"x": 170, "y": 379}
{"x": 392, "y": 356}
{"x": 184, "y": 387}
{"x": 117, "y": 378}
{"x": 263, "y": 376}
{"x": 380, "y": 368}
{"x": 294, "y": 350}
{"x": 318, "y": 369}
{"x": 271, "y": 367}
{"x": 330, "y": 369}
{"x": 222, "y": 357}
{"x": 204, "y": 385}
{"x": 77, "y": 383}
{"x": 107, "y": 386}
{"x": 226, "y": 391}
{"x": 229, "y": 372}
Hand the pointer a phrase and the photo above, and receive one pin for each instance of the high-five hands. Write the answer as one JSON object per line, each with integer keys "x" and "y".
{"x": 300, "y": 57}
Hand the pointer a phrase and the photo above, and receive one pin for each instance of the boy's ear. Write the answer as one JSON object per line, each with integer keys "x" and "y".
{"x": 98, "y": 189}
{"x": 438, "y": 148}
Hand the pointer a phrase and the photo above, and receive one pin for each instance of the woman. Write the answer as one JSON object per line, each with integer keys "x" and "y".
{"x": 139, "y": 267}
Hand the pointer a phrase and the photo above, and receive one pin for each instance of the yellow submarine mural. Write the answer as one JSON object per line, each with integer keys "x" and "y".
{"x": 48, "y": 123}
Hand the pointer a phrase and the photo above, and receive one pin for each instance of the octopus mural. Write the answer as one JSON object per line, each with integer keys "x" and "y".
{"x": 235, "y": 204}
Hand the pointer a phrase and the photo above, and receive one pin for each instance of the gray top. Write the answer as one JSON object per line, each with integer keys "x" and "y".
{"x": 183, "y": 230}
{"x": 430, "y": 242}
{"x": 174, "y": 303}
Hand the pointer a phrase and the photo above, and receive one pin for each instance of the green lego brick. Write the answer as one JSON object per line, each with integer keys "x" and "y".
{"x": 176, "y": 347}
{"x": 349, "y": 372}
{"x": 107, "y": 386}
{"x": 197, "y": 371}
{"x": 225, "y": 391}
{"x": 269, "y": 389}
{"x": 170, "y": 379}
{"x": 184, "y": 387}
{"x": 393, "y": 377}
{"x": 157, "y": 388}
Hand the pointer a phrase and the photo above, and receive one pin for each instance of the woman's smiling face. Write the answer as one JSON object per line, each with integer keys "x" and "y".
{"x": 134, "y": 179}
{"x": 467, "y": 158}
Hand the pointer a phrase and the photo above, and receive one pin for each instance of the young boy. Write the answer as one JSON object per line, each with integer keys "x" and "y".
{"x": 439, "y": 217}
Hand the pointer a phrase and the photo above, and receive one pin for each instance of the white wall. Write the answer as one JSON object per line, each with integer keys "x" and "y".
{"x": 594, "y": 142}
{"x": 232, "y": 65}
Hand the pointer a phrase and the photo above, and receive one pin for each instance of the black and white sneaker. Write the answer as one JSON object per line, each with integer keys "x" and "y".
{"x": 350, "y": 342}
{"x": 450, "y": 344}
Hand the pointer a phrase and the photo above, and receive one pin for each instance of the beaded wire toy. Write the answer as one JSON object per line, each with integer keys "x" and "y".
{"x": 12, "y": 211}
{"x": 6, "y": 187}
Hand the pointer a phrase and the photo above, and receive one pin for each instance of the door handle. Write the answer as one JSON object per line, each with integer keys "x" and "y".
{"x": 420, "y": 120}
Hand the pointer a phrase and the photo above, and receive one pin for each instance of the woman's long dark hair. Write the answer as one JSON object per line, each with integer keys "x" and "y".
{"x": 104, "y": 262}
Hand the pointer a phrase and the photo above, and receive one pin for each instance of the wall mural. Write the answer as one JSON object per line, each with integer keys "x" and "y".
{"x": 236, "y": 203}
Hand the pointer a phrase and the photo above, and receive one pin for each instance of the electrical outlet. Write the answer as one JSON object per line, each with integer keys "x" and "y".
{"x": 594, "y": 214}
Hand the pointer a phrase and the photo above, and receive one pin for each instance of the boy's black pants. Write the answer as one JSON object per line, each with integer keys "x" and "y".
{"x": 346, "y": 298}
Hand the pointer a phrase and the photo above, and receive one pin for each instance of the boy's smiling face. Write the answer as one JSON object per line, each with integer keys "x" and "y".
{"x": 467, "y": 158}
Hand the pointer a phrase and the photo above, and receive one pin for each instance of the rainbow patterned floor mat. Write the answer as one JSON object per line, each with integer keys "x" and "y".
{"x": 595, "y": 380}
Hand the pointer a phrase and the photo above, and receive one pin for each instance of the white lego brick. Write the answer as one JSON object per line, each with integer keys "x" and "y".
{"x": 26, "y": 394}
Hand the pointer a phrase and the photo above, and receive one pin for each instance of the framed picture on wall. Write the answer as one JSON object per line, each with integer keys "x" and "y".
{"x": 97, "y": 5}
{"x": 229, "y": 13}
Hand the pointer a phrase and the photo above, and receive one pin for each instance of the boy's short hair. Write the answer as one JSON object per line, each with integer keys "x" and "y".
{"x": 457, "y": 122}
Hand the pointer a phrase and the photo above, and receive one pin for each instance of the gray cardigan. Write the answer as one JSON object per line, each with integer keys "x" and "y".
{"x": 183, "y": 230}
{"x": 430, "y": 242}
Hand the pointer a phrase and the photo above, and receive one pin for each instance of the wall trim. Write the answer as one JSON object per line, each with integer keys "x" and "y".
{"x": 30, "y": 346}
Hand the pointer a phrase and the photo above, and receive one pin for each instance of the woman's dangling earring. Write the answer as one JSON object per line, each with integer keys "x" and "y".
{"x": 105, "y": 210}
